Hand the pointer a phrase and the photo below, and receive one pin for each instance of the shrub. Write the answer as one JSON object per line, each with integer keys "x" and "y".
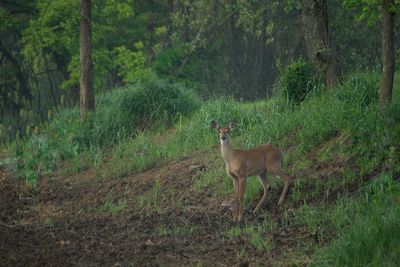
{"x": 298, "y": 80}
{"x": 150, "y": 102}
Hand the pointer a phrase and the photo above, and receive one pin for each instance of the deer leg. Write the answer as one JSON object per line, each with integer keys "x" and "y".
{"x": 263, "y": 180}
{"x": 287, "y": 181}
{"x": 235, "y": 199}
{"x": 242, "y": 188}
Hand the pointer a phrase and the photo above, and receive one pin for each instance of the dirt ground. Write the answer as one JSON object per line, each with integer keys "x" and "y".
{"x": 61, "y": 222}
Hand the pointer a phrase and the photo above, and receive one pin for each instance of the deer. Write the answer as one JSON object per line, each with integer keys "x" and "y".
{"x": 240, "y": 164}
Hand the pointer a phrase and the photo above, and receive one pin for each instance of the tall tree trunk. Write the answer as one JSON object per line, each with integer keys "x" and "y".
{"x": 388, "y": 58}
{"x": 314, "y": 20}
{"x": 86, "y": 71}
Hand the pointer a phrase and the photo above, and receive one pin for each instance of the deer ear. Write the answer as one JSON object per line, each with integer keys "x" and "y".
{"x": 232, "y": 125}
{"x": 214, "y": 124}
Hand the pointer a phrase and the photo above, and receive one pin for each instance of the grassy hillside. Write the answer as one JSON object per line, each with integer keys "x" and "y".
{"x": 342, "y": 150}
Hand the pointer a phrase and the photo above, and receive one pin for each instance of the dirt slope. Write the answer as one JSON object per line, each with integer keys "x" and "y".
{"x": 59, "y": 223}
{"x": 153, "y": 218}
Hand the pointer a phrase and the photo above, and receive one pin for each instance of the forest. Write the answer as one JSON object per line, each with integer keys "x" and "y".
{"x": 108, "y": 156}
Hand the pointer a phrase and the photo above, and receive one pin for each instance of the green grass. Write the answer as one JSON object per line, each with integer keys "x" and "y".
{"x": 185, "y": 228}
{"x": 337, "y": 207}
{"x": 112, "y": 207}
{"x": 151, "y": 201}
{"x": 368, "y": 229}
{"x": 121, "y": 114}
{"x": 259, "y": 236}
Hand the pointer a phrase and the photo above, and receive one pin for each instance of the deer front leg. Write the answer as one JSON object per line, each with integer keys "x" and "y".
{"x": 235, "y": 197}
{"x": 242, "y": 188}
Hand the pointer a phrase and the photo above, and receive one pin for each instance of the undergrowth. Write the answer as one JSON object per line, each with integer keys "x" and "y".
{"x": 121, "y": 114}
{"x": 341, "y": 131}
{"x": 369, "y": 228}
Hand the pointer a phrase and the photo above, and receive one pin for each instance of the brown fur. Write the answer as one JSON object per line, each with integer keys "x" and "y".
{"x": 241, "y": 164}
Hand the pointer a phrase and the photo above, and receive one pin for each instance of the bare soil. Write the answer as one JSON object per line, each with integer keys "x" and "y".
{"x": 65, "y": 221}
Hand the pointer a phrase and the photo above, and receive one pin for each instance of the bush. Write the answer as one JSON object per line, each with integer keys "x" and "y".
{"x": 298, "y": 80}
{"x": 150, "y": 102}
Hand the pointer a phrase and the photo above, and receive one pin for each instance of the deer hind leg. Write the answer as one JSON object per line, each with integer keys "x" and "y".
{"x": 264, "y": 182}
{"x": 242, "y": 188}
{"x": 287, "y": 181}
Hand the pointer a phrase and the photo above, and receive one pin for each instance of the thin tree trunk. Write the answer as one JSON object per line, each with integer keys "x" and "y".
{"x": 23, "y": 87}
{"x": 53, "y": 95}
{"x": 388, "y": 57}
{"x": 86, "y": 71}
{"x": 314, "y": 20}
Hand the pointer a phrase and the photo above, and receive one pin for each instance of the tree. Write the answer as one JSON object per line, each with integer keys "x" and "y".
{"x": 314, "y": 19}
{"x": 86, "y": 64}
{"x": 14, "y": 87}
{"x": 388, "y": 58}
{"x": 370, "y": 12}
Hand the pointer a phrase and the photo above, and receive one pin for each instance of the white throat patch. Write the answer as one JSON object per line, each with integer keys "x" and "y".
{"x": 223, "y": 141}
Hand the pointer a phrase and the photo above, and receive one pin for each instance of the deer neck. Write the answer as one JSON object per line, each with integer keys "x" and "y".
{"x": 226, "y": 150}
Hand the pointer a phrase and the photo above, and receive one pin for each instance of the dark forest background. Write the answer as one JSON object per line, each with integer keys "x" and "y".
{"x": 224, "y": 47}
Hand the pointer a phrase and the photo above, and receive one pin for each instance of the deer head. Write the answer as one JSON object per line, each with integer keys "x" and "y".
{"x": 223, "y": 132}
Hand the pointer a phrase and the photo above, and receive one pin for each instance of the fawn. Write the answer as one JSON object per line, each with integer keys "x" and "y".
{"x": 241, "y": 164}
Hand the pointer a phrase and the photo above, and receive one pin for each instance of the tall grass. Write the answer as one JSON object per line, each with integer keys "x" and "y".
{"x": 350, "y": 109}
{"x": 120, "y": 114}
{"x": 369, "y": 236}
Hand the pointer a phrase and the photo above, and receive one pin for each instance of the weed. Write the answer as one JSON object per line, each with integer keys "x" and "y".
{"x": 113, "y": 207}
{"x": 176, "y": 230}
{"x": 150, "y": 201}
{"x": 258, "y": 235}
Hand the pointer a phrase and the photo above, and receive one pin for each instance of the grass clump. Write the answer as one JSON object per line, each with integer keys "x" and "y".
{"x": 148, "y": 103}
{"x": 122, "y": 113}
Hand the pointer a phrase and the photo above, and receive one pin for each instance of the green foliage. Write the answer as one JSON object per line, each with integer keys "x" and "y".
{"x": 298, "y": 80}
{"x": 54, "y": 31}
{"x": 151, "y": 102}
{"x": 131, "y": 64}
{"x": 344, "y": 124}
{"x": 368, "y": 236}
{"x": 368, "y": 10}
{"x": 169, "y": 58}
{"x": 40, "y": 157}
{"x": 230, "y": 49}
{"x": 360, "y": 89}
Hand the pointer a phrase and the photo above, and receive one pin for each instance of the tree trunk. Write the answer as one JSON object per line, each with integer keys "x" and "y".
{"x": 86, "y": 71}
{"x": 314, "y": 20}
{"x": 23, "y": 86}
{"x": 388, "y": 58}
